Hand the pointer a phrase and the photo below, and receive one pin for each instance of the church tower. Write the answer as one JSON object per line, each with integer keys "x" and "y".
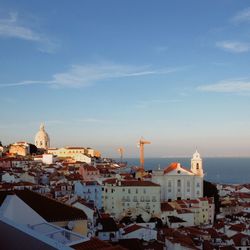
{"x": 196, "y": 164}
{"x": 42, "y": 138}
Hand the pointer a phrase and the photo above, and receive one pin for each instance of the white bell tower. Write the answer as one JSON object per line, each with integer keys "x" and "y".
{"x": 196, "y": 164}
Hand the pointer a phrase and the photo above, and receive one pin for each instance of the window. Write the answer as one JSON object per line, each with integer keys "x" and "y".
{"x": 178, "y": 183}
{"x": 198, "y": 184}
{"x": 197, "y": 166}
{"x": 178, "y": 172}
{"x": 188, "y": 183}
{"x": 169, "y": 184}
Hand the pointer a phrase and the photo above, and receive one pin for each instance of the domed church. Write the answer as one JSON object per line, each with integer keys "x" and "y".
{"x": 42, "y": 138}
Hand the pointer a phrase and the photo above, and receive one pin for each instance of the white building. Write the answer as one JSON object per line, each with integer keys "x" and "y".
{"x": 178, "y": 183}
{"x": 42, "y": 138}
{"x": 136, "y": 231}
{"x": 48, "y": 159}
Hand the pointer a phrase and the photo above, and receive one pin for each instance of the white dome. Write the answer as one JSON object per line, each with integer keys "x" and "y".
{"x": 42, "y": 138}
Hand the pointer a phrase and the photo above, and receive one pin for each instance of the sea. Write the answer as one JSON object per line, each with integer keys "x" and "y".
{"x": 223, "y": 170}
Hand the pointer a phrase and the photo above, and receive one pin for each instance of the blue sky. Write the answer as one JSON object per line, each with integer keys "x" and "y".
{"x": 104, "y": 73}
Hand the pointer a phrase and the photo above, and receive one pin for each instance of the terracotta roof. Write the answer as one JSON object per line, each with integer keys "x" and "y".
{"x": 184, "y": 240}
{"x": 174, "y": 166}
{"x": 239, "y": 238}
{"x": 165, "y": 206}
{"x": 50, "y": 209}
{"x": 134, "y": 183}
{"x": 174, "y": 219}
{"x": 73, "y": 177}
{"x": 90, "y": 168}
{"x": 203, "y": 199}
{"x": 171, "y": 167}
{"x": 74, "y": 147}
{"x": 238, "y": 227}
{"x": 192, "y": 201}
{"x": 131, "y": 229}
{"x": 138, "y": 183}
{"x": 95, "y": 244}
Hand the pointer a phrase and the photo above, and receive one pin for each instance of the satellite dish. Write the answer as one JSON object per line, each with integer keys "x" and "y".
{"x": 71, "y": 225}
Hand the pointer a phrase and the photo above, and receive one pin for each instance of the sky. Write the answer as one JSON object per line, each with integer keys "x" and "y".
{"x": 103, "y": 74}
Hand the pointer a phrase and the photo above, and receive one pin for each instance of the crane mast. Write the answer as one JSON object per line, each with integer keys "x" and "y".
{"x": 121, "y": 151}
{"x": 142, "y": 142}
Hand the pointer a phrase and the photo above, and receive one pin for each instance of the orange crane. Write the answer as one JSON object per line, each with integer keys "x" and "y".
{"x": 121, "y": 151}
{"x": 141, "y": 143}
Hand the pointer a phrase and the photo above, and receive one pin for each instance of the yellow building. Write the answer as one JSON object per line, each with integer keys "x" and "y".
{"x": 131, "y": 197}
{"x": 19, "y": 148}
{"x": 73, "y": 152}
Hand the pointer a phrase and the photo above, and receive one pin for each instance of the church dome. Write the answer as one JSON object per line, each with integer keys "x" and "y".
{"x": 42, "y": 138}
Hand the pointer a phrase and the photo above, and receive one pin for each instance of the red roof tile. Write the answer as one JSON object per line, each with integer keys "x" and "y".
{"x": 95, "y": 244}
{"x": 166, "y": 207}
{"x": 174, "y": 166}
{"x": 131, "y": 228}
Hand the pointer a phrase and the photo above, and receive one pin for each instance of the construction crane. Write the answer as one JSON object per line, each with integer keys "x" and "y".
{"x": 141, "y": 144}
{"x": 121, "y": 151}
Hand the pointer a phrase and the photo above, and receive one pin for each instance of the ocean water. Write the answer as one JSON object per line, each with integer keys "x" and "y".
{"x": 218, "y": 170}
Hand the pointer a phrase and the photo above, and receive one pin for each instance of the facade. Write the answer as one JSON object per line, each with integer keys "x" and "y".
{"x": 131, "y": 197}
{"x": 82, "y": 158}
{"x": 136, "y": 231}
{"x": 42, "y": 139}
{"x": 76, "y": 153}
{"x": 19, "y": 148}
{"x": 178, "y": 183}
{"x": 90, "y": 191}
{"x": 48, "y": 159}
{"x": 89, "y": 172}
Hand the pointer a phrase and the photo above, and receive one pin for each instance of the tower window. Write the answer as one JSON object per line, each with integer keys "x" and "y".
{"x": 197, "y": 166}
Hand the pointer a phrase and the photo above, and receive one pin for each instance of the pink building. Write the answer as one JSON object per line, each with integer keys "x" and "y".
{"x": 89, "y": 172}
{"x": 5, "y": 163}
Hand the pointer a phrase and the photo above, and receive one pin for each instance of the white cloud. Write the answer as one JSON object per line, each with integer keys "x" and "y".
{"x": 12, "y": 28}
{"x": 85, "y": 75}
{"x": 231, "y": 86}
{"x": 242, "y": 16}
{"x": 232, "y": 46}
